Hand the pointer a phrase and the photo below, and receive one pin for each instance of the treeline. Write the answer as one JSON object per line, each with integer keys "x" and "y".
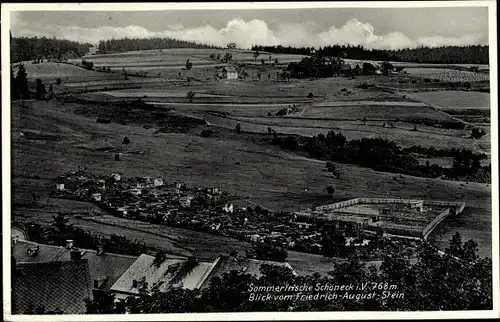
{"x": 34, "y": 48}
{"x": 133, "y": 44}
{"x": 384, "y": 155}
{"x": 475, "y": 54}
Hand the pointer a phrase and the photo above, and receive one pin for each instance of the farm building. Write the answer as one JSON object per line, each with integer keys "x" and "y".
{"x": 227, "y": 72}
{"x": 346, "y": 70}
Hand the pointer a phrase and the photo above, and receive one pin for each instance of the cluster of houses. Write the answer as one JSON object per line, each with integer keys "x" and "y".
{"x": 200, "y": 209}
{"x": 56, "y": 279}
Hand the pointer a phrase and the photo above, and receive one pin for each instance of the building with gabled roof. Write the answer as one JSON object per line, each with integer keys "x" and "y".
{"x": 226, "y": 264}
{"x": 104, "y": 268}
{"x": 171, "y": 273}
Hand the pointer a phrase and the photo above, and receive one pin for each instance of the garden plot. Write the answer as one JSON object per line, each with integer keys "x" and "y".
{"x": 447, "y": 75}
{"x": 455, "y": 99}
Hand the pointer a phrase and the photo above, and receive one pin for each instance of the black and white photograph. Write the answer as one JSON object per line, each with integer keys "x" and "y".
{"x": 233, "y": 161}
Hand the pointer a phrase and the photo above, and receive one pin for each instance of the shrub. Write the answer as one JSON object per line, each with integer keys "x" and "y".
{"x": 206, "y": 133}
{"x": 310, "y": 95}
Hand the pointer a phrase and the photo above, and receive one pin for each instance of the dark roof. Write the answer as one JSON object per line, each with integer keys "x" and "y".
{"x": 106, "y": 266}
{"x": 226, "y": 264}
{"x": 345, "y": 67}
{"x": 229, "y": 69}
{"x": 61, "y": 285}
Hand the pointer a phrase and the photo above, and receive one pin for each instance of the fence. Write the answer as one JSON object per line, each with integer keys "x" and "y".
{"x": 454, "y": 208}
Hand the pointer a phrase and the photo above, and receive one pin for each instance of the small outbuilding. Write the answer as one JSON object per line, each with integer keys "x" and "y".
{"x": 227, "y": 72}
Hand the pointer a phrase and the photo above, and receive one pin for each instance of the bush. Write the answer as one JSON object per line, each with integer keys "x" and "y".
{"x": 206, "y": 133}
{"x": 310, "y": 95}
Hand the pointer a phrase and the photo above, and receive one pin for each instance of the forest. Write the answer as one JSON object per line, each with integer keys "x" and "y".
{"x": 439, "y": 55}
{"x": 133, "y": 44}
{"x": 34, "y": 48}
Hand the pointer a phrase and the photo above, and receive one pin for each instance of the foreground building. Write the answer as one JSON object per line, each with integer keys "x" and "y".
{"x": 59, "y": 279}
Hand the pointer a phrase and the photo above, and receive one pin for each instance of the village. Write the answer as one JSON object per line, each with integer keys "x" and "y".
{"x": 201, "y": 209}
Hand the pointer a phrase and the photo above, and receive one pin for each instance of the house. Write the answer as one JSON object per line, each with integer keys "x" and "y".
{"x": 104, "y": 268}
{"x": 224, "y": 264}
{"x": 255, "y": 238}
{"x": 227, "y": 72}
{"x": 60, "y": 186}
{"x": 346, "y": 70}
{"x": 170, "y": 273}
{"x": 116, "y": 176}
{"x": 186, "y": 201}
{"x": 123, "y": 211}
{"x": 97, "y": 196}
{"x": 303, "y": 225}
{"x": 134, "y": 191}
{"x": 158, "y": 182}
{"x": 418, "y": 205}
{"x": 228, "y": 208}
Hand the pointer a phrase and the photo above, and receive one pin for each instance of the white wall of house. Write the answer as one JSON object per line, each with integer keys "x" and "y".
{"x": 232, "y": 75}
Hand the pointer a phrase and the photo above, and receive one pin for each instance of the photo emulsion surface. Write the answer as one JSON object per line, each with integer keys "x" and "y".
{"x": 257, "y": 160}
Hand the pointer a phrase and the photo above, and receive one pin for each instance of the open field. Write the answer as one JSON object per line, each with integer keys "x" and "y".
{"x": 402, "y": 111}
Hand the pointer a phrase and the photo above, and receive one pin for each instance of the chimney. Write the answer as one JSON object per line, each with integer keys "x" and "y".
{"x": 76, "y": 255}
{"x": 69, "y": 244}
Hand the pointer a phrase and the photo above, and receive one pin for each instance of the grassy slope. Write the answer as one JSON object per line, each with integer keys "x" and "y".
{"x": 270, "y": 177}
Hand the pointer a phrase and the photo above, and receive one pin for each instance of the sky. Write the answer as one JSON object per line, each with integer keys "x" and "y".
{"x": 384, "y": 28}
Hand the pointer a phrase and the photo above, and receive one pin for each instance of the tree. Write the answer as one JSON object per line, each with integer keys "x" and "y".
{"x": 262, "y": 61}
{"x": 330, "y": 190}
{"x": 276, "y": 61}
{"x": 255, "y": 55}
{"x": 61, "y": 224}
{"x": 330, "y": 166}
{"x": 126, "y": 141}
{"x": 189, "y": 64}
{"x": 190, "y": 95}
{"x": 231, "y": 45}
{"x": 41, "y": 91}
{"x": 22, "y": 82}
{"x": 333, "y": 244}
{"x": 238, "y": 128}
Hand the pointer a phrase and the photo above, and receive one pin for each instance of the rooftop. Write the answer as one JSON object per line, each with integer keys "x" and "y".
{"x": 171, "y": 271}
{"x": 105, "y": 266}
{"x": 226, "y": 264}
{"x": 61, "y": 285}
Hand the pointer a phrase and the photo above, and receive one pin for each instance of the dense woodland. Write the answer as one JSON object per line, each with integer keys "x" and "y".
{"x": 133, "y": 44}
{"x": 34, "y": 48}
{"x": 384, "y": 155}
{"x": 443, "y": 55}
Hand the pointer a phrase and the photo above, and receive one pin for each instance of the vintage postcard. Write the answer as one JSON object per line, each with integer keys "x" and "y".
{"x": 248, "y": 161}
